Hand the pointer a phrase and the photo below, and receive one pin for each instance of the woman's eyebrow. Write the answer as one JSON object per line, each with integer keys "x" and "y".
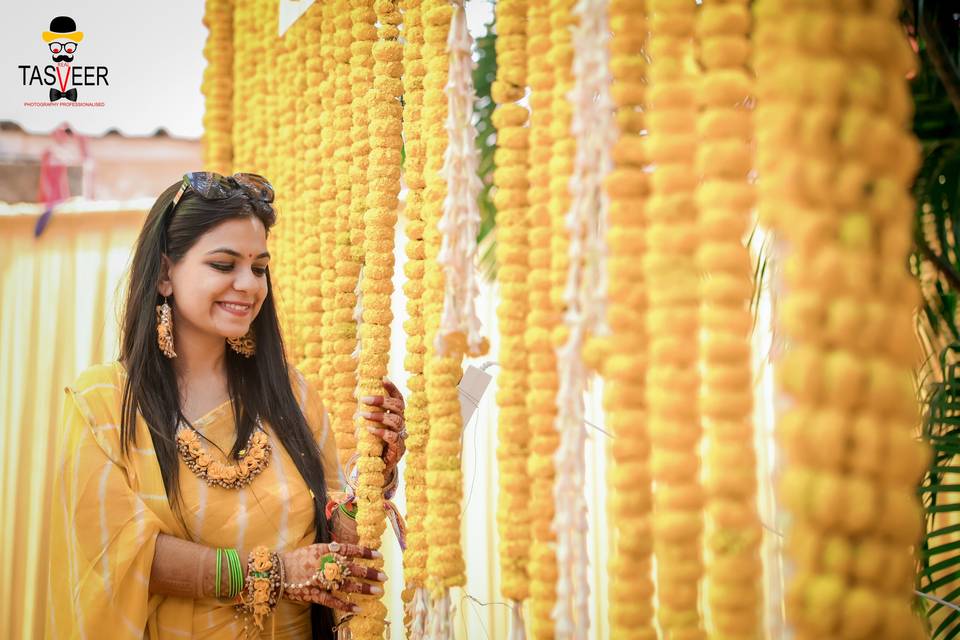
{"x": 265, "y": 254}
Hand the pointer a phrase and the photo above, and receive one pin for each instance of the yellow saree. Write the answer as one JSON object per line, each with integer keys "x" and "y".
{"x": 107, "y": 511}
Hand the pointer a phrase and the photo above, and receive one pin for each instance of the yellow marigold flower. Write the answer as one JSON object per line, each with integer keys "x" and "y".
{"x": 819, "y": 126}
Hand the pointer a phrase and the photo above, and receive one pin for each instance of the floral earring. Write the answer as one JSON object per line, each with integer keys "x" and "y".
{"x": 245, "y": 345}
{"x": 165, "y": 329}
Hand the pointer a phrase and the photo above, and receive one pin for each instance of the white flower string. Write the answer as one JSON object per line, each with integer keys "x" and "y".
{"x": 460, "y": 223}
{"x": 593, "y": 130}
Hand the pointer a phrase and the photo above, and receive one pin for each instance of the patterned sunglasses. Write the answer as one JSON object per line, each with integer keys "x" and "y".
{"x": 213, "y": 186}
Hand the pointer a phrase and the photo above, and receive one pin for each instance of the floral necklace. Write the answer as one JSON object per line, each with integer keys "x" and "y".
{"x": 254, "y": 458}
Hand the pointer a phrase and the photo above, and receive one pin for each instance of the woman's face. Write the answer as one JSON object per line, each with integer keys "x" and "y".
{"x": 226, "y": 265}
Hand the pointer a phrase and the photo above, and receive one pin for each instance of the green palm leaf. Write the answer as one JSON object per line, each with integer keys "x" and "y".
{"x": 936, "y": 263}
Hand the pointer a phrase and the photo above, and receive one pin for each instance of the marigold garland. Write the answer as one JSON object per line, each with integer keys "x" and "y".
{"x": 379, "y": 219}
{"x": 291, "y": 96}
{"x": 672, "y": 286}
{"x": 241, "y": 46}
{"x": 542, "y": 319}
{"x": 264, "y": 157}
{"x": 327, "y": 206}
{"x": 363, "y": 20}
{"x": 445, "y": 563}
{"x": 627, "y": 187}
{"x": 838, "y": 159}
{"x": 346, "y": 267}
{"x": 415, "y": 475}
{"x": 510, "y": 179}
{"x": 560, "y": 58}
{"x": 217, "y": 87}
{"x": 734, "y": 572}
{"x": 306, "y": 179}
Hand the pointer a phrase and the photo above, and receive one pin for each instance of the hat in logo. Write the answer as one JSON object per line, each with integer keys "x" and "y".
{"x": 63, "y": 28}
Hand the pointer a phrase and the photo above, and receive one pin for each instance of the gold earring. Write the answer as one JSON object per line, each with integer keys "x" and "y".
{"x": 246, "y": 345}
{"x": 165, "y": 329}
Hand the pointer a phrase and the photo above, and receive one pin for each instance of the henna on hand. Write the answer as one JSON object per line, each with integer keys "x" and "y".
{"x": 300, "y": 568}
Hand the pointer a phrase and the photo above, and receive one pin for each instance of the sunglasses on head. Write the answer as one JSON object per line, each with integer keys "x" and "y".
{"x": 213, "y": 186}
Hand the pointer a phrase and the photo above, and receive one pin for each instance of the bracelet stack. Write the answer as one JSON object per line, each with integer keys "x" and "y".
{"x": 263, "y": 585}
{"x": 234, "y": 573}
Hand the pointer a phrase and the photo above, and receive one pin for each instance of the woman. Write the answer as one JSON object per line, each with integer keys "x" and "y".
{"x": 195, "y": 476}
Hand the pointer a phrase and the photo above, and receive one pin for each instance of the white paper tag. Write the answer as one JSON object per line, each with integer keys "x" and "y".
{"x": 472, "y": 386}
{"x": 290, "y": 10}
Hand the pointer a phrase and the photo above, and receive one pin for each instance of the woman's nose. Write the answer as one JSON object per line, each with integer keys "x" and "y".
{"x": 246, "y": 280}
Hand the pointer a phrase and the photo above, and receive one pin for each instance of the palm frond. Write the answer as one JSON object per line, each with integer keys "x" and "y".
{"x": 936, "y": 264}
{"x": 938, "y": 562}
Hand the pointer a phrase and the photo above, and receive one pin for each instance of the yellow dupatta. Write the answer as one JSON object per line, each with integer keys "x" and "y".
{"x": 107, "y": 510}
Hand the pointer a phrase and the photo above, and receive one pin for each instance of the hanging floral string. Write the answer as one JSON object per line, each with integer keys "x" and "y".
{"x": 510, "y": 198}
{"x": 560, "y": 59}
{"x": 265, "y": 158}
{"x": 315, "y": 85}
{"x": 217, "y": 87}
{"x": 734, "y": 572}
{"x": 624, "y": 399}
{"x": 673, "y": 285}
{"x": 594, "y": 132}
{"x": 460, "y": 223}
{"x": 542, "y": 384}
{"x": 308, "y": 178}
{"x": 290, "y": 98}
{"x": 838, "y": 158}
{"x": 327, "y": 207}
{"x": 415, "y": 476}
{"x": 346, "y": 267}
{"x": 445, "y": 563}
{"x": 379, "y": 219}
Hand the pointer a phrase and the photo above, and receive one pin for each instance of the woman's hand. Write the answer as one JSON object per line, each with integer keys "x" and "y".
{"x": 302, "y": 584}
{"x": 394, "y": 431}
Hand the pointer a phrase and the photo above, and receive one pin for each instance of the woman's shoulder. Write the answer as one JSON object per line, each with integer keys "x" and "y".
{"x": 104, "y": 375}
{"x": 96, "y": 393}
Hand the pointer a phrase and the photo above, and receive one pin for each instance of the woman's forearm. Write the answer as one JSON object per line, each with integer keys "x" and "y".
{"x": 187, "y": 569}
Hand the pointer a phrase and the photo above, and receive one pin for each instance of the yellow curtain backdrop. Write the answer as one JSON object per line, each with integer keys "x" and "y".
{"x": 58, "y": 314}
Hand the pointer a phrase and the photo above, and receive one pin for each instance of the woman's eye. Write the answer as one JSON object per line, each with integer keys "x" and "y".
{"x": 260, "y": 271}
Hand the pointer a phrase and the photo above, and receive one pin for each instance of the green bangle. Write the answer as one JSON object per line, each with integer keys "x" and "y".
{"x": 239, "y": 571}
{"x": 236, "y": 572}
{"x": 216, "y": 589}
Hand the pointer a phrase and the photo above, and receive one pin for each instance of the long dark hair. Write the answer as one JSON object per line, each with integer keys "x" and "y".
{"x": 259, "y": 385}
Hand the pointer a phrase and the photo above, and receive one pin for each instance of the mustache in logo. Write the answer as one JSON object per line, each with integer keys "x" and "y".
{"x": 63, "y": 58}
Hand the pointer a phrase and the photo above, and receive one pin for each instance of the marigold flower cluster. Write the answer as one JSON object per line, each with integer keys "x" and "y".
{"x": 838, "y": 158}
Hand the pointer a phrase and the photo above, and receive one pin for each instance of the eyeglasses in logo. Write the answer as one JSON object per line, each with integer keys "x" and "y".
{"x": 62, "y": 77}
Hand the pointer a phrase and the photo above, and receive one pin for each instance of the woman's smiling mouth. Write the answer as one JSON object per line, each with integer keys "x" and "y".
{"x": 235, "y": 309}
